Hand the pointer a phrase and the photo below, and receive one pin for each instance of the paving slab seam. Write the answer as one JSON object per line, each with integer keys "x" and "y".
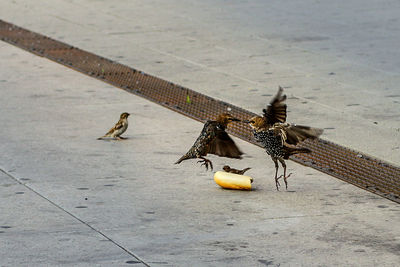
{"x": 75, "y": 217}
{"x": 318, "y": 215}
{"x": 265, "y": 39}
{"x": 340, "y": 59}
{"x": 236, "y": 76}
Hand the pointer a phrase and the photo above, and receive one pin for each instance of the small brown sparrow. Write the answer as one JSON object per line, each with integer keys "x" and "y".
{"x": 232, "y": 170}
{"x": 119, "y": 128}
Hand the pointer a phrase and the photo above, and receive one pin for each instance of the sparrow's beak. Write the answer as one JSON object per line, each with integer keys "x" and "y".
{"x": 246, "y": 121}
{"x": 234, "y": 119}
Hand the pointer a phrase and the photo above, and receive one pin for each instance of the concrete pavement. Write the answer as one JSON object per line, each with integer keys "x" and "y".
{"x": 69, "y": 199}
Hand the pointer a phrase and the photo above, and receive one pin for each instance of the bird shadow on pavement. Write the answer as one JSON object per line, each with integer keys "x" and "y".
{"x": 110, "y": 139}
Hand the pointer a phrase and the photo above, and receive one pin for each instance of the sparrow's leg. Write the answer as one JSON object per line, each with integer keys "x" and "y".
{"x": 276, "y": 173}
{"x": 206, "y": 162}
{"x": 282, "y": 161}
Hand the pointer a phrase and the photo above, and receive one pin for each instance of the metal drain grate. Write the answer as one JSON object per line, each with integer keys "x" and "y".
{"x": 348, "y": 165}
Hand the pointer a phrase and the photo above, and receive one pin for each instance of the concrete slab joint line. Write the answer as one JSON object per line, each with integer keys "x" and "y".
{"x": 74, "y": 216}
{"x": 348, "y": 165}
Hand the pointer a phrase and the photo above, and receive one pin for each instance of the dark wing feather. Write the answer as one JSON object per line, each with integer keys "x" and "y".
{"x": 202, "y": 143}
{"x": 223, "y": 146}
{"x": 291, "y": 150}
{"x": 116, "y": 127}
{"x": 298, "y": 133}
{"x": 276, "y": 109}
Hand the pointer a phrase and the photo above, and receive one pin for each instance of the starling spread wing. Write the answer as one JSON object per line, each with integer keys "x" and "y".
{"x": 213, "y": 139}
{"x": 291, "y": 150}
{"x": 223, "y": 146}
{"x": 297, "y": 133}
{"x": 276, "y": 109}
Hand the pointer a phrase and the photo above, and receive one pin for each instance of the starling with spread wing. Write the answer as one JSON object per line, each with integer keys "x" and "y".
{"x": 213, "y": 139}
{"x": 278, "y": 137}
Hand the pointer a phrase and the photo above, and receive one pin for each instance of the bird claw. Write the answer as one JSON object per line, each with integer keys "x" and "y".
{"x": 206, "y": 163}
{"x": 277, "y": 182}
{"x": 284, "y": 179}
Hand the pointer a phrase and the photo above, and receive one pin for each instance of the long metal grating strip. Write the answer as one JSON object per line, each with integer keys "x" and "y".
{"x": 348, "y": 165}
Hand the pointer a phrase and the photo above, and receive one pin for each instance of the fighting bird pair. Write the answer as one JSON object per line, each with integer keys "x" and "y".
{"x": 271, "y": 130}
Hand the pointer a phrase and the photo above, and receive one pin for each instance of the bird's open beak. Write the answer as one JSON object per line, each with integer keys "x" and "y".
{"x": 246, "y": 121}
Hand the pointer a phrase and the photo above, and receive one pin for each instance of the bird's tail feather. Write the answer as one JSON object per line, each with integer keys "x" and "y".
{"x": 104, "y": 136}
{"x": 245, "y": 170}
{"x": 184, "y": 157}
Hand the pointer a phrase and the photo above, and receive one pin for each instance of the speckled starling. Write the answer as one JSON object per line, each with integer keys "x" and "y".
{"x": 278, "y": 137}
{"x": 213, "y": 139}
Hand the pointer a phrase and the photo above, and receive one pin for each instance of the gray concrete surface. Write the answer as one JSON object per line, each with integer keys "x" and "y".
{"x": 68, "y": 199}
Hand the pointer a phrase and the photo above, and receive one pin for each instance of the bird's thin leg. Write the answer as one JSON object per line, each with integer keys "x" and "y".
{"x": 206, "y": 162}
{"x": 282, "y": 161}
{"x": 276, "y": 173}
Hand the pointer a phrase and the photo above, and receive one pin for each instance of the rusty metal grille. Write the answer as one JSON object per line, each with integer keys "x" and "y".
{"x": 348, "y": 165}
